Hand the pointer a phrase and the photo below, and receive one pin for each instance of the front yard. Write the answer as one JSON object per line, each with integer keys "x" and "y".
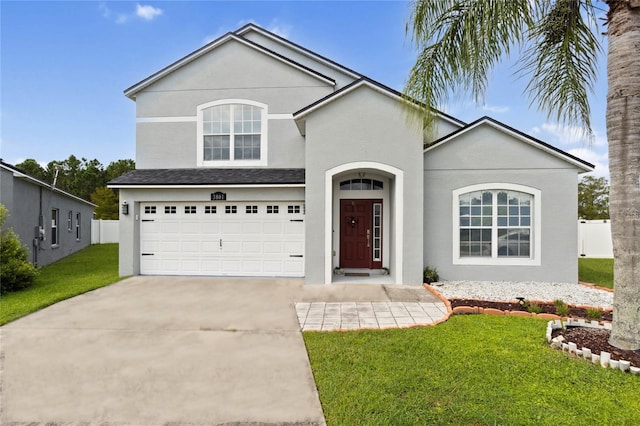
{"x": 470, "y": 370}
{"x": 91, "y": 268}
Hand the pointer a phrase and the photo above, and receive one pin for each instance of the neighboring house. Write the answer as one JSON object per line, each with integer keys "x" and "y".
{"x": 50, "y": 222}
{"x": 258, "y": 157}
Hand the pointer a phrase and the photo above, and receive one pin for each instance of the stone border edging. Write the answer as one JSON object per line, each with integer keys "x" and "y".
{"x": 442, "y": 299}
{"x": 494, "y": 311}
{"x": 571, "y": 348}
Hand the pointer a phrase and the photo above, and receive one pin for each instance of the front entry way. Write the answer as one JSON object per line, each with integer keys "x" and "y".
{"x": 361, "y": 234}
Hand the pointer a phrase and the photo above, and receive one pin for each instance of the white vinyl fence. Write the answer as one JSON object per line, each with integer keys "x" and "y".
{"x": 104, "y": 231}
{"x": 594, "y": 238}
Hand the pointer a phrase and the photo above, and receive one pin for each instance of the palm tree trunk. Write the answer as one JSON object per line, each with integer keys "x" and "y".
{"x": 623, "y": 134}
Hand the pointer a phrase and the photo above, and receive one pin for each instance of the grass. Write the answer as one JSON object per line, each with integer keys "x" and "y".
{"x": 91, "y": 268}
{"x": 596, "y": 271}
{"x": 470, "y": 370}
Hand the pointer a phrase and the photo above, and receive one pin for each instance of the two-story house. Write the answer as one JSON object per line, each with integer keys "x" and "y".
{"x": 259, "y": 157}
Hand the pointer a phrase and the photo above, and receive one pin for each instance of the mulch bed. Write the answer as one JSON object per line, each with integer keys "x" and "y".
{"x": 547, "y": 308}
{"x": 595, "y": 339}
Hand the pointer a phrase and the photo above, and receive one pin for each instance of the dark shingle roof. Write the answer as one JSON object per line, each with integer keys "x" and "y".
{"x": 205, "y": 176}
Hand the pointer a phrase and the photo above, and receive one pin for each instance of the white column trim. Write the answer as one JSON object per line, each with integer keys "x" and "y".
{"x": 398, "y": 213}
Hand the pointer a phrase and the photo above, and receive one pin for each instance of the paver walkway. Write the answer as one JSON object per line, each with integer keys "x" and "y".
{"x": 322, "y": 316}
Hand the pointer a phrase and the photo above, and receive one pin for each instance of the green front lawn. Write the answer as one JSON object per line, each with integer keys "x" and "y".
{"x": 91, "y": 268}
{"x": 470, "y": 370}
{"x": 596, "y": 271}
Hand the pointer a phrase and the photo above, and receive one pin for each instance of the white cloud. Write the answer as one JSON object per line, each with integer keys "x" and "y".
{"x": 283, "y": 30}
{"x": 144, "y": 12}
{"x": 599, "y": 160}
{"x": 569, "y": 135}
{"x": 495, "y": 108}
{"x": 147, "y": 12}
{"x": 106, "y": 12}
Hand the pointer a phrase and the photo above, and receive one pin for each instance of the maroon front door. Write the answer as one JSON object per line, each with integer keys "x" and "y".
{"x": 357, "y": 234}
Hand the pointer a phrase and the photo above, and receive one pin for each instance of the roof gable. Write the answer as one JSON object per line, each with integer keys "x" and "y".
{"x": 249, "y": 28}
{"x": 517, "y": 135}
{"x": 299, "y": 116}
{"x": 132, "y": 91}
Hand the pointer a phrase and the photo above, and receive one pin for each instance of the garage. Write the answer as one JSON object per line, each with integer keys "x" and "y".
{"x": 222, "y": 238}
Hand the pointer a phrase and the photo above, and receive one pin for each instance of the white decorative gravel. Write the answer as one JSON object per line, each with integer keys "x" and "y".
{"x": 573, "y": 294}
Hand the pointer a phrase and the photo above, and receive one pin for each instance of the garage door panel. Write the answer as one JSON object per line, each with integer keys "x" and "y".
{"x": 252, "y": 266}
{"x": 232, "y": 228}
{"x": 294, "y": 266}
{"x": 272, "y": 228}
{"x": 200, "y": 243}
{"x": 273, "y": 247}
{"x": 169, "y": 227}
{"x": 252, "y": 247}
{"x": 231, "y": 267}
{"x": 191, "y": 228}
{"x": 252, "y": 228}
{"x": 170, "y": 247}
{"x": 211, "y": 247}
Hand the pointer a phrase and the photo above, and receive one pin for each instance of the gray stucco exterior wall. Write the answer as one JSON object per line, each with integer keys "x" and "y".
{"x": 166, "y": 131}
{"x": 30, "y": 205}
{"x": 371, "y": 128}
{"x": 489, "y": 156}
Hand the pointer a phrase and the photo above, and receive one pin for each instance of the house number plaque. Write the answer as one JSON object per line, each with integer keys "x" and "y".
{"x": 218, "y": 196}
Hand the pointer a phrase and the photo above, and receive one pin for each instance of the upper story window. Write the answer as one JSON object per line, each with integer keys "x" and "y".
{"x": 497, "y": 224}
{"x": 232, "y": 133}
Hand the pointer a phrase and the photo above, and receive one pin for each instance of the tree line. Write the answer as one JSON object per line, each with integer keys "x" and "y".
{"x": 83, "y": 178}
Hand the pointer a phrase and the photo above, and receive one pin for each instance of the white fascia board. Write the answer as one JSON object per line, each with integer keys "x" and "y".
{"x": 282, "y": 185}
{"x": 302, "y": 51}
{"x": 516, "y": 136}
{"x": 130, "y": 93}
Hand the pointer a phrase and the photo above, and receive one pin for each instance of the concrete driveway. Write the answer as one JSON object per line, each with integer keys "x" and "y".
{"x": 170, "y": 350}
{"x": 157, "y": 350}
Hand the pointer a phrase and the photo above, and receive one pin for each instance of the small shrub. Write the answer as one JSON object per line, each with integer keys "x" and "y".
{"x": 533, "y": 308}
{"x": 430, "y": 275}
{"x": 594, "y": 313}
{"x": 561, "y": 308}
{"x": 16, "y": 273}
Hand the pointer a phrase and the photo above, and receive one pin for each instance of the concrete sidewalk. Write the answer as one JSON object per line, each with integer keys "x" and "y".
{"x": 172, "y": 350}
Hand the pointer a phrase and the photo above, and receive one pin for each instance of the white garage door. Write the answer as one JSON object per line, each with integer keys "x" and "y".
{"x": 242, "y": 239}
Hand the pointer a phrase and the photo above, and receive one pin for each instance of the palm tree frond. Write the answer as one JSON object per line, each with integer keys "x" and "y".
{"x": 562, "y": 62}
{"x": 459, "y": 42}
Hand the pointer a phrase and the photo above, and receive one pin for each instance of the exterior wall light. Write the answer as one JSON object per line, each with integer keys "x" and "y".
{"x": 125, "y": 208}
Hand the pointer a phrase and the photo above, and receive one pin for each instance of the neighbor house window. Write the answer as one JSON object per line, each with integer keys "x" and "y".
{"x": 497, "y": 225}
{"x": 78, "y": 228}
{"x": 232, "y": 132}
{"x": 55, "y": 217}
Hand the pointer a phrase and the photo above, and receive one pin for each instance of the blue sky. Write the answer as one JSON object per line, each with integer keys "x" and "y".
{"x": 64, "y": 66}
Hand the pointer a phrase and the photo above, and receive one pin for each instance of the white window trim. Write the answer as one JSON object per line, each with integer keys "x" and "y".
{"x": 536, "y": 234}
{"x": 264, "y": 146}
